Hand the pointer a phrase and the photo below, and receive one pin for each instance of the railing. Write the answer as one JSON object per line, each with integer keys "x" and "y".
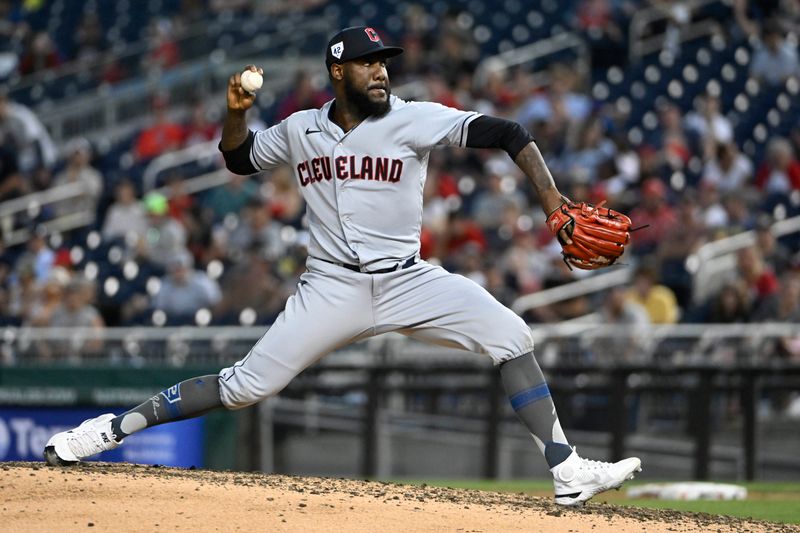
{"x": 32, "y": 204}
{"x": 601, "y": 281}
{"x": 110, "y": 113}
{"x": 538, "y": 50}
{"x": 705, "y": 265}
{"x": 17, "y": 342}
{"x": 146, "y": 344}
{"x": 642, "y": 46}
{"x": 175, "y": 159}
{"x": 682, "y": 383}
{"x": 120, "y": 54}
{"x": 618, "y": 383}
{"x": 708, "y": 264}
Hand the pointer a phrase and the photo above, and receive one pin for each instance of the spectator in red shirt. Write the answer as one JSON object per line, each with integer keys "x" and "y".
{"x": 427, "y": 243}
{"x": 200, "y": 128}
{"x": 180, "y": 202}
{"x": 674, "y": 144}
{"x": 594, "y": 14}
{"x": 496, "y": 89}
{"x": 682, "y": 237}
{"x": 780, "y": 173}
{"x": 41, "y": 54}
{"x": 655, "y": 213}
{"x": 162, "y": 136}
{"x": 112, "y": 70}
{"x": 412, "y": 64}
{"x": 759, "y": 277}
{"x": 597, "y": 21}
{"x": 439, "y": 91}
{"x": 164, "y": 52}
{"x": 284, "y": 200}
{"x": 302, "y": 96}
{"x": 462, "y": 231}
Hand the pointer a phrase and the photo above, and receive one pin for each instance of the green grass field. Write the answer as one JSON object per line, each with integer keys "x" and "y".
{"x": 776, "y": 502}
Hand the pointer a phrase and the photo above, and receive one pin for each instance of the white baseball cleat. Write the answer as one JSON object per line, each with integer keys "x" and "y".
{"x": 90, "y": 438}
{"x": 578, "y": 479}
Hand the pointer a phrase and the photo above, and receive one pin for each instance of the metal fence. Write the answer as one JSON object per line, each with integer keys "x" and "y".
{"x": 643, "y": 42}
{"x": 703, "y": 396}
{"x": 709, "y": 266}
{"x": 569, "y": 343}
{"x": 111, "y": 113}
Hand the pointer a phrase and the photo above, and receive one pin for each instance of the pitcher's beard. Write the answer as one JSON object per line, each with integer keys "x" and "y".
{"x": 364, "y": 106}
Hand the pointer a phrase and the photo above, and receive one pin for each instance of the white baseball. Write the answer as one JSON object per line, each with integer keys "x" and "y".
{"x": 251, "y": 81}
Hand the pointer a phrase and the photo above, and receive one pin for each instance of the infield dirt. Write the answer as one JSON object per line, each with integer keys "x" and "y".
{"x": 121, "y": 497}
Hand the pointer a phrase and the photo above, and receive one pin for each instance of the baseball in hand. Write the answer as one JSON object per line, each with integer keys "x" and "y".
{"x": 251, "y": 81}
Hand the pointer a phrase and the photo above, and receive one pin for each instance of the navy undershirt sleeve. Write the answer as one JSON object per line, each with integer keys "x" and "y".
{"x": 238, "y": 159}
{"x": 493, "y": 132}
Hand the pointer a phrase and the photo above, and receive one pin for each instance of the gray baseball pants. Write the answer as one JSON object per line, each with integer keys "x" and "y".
{"x": 334, "y": 306}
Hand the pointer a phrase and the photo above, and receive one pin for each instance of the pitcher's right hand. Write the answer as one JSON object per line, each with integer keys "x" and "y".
{"x": 238, "y": 98}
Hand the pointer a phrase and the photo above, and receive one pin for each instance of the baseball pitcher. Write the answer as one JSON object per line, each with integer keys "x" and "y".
{"x": 360, "y": 163}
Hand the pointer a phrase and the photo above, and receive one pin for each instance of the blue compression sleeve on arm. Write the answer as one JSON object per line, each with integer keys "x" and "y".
{"x": 238, "y": 159}
{"x": 493, "y": 132}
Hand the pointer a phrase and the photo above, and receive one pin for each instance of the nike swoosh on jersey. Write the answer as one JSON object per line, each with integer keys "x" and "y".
{"x": 309, "y": 131}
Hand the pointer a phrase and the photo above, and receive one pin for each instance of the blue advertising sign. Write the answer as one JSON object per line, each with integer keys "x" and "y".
{"x": 25, "y": 431}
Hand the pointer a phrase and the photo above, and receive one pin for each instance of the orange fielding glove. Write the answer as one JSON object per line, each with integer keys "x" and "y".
{"x": 598, "y": 234}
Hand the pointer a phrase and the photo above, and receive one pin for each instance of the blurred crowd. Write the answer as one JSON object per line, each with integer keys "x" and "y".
{"x": 233, "y": 254}
{"x": 37, "y": 37}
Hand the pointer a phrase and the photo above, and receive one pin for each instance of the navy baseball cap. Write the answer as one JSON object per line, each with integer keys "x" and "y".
{"x": 355, "y": 42}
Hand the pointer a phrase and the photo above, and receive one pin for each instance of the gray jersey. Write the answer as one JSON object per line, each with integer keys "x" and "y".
{"x": 363, "y": 188}
{"x": 363, "y": 191}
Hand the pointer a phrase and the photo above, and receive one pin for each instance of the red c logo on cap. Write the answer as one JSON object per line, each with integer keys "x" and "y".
{"x": 372, "y": 34}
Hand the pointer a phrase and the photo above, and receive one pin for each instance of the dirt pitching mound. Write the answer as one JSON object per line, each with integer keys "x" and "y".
{"x": 123, "y": 497}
